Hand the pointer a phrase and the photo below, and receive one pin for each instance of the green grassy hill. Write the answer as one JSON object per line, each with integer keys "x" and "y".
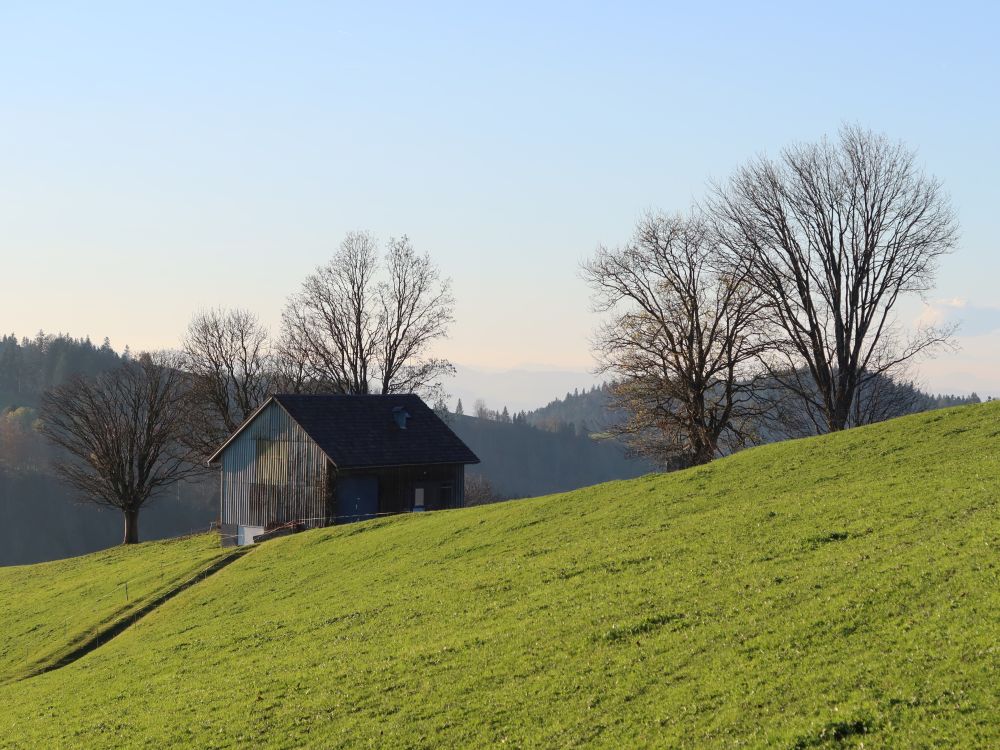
{"x": 52, "y": 609}
{"x": 832, "y": 592}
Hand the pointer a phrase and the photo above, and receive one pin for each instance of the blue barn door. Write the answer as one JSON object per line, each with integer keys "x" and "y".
{"x": 357, "y": 498}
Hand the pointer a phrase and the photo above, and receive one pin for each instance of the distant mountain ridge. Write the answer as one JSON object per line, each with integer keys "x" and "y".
{"x": 585, "y": 411}
{"x": 519, "y": 389}
{"x": 589, "y": 411}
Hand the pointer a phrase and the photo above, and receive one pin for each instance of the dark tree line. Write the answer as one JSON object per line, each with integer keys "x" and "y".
{"x": 582, "y": 410}
{"x": 520, "y": 460}
{"x": 28, "y": 367}
{"x": 504, "y": 415}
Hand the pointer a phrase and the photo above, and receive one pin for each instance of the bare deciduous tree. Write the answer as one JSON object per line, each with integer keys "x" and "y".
{"x": 680, "y": 341}
{"x": 481, "y": 410}
{"x": 227, "y": 355}
{"x": 361, "y": 325}
{"x": 416, "y": 309}
{"x": 834, "y": 235}
{"x": 121, "y": 435}
{"x": 480, "y": 491}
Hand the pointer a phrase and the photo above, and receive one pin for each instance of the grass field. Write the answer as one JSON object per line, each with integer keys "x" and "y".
{"x": 51, "y": 608}
{"x": 834, "y": 592}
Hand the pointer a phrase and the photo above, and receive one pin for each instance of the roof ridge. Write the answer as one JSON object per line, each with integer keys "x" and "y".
{"x": 358, "y": 430}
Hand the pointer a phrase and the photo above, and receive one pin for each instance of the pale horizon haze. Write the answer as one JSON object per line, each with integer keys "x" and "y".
{"x": 160, "y": 160}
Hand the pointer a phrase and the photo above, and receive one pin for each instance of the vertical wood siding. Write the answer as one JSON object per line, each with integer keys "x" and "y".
{"x": 460, "y": 486}
{"x": 273, "y": 473}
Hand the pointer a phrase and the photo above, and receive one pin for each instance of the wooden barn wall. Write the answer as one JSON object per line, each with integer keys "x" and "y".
{"x": 396, "y": 486}
{"x": 273, "y": 473}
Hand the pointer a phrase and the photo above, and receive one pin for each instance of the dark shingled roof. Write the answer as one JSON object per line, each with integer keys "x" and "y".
{"x": 361, "y": 431}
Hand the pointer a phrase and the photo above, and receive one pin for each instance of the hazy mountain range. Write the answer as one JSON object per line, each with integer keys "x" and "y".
{"x": 525, "y": 387}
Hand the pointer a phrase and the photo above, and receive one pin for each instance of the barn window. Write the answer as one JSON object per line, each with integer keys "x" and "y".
{"x": 272, "y": 461}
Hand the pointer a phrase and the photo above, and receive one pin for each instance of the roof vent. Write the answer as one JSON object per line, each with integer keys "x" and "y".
{"x": 400, "y": 415}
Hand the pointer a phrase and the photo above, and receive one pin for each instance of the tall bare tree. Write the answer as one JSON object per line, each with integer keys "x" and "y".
{"x": 680, "y": 341}
{"x": 227, "y": 355}
{"x": 120, "y": 435}
{"x": 363, "y": 323}
{"x": 416, "y": 309}
{"x": 834, "y": 234}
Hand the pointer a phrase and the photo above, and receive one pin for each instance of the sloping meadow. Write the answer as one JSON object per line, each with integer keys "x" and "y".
{"x": 52, "y": 608}
{"x": 817, "y": 593}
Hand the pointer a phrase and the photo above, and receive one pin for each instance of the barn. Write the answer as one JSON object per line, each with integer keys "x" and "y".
{"x": 304, "y": 461}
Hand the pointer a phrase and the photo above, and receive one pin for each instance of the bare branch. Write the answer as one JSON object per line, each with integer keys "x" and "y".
{"x": 360, "y": 326}
{"x": 227, "y": 356}
{"x": 120, "y": 434}
{"x": 680, "y": 339}
{"x": 833, "y": 234}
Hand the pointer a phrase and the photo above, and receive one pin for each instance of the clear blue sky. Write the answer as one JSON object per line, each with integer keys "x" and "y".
{"x": 158, "y": 160}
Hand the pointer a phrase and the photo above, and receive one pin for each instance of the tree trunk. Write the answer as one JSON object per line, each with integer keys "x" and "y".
{"x": 702, "y": 452}
{"x": 131, "y": 526}
{"x": 702, "y": 455}
{"x": 840, "y": 416}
